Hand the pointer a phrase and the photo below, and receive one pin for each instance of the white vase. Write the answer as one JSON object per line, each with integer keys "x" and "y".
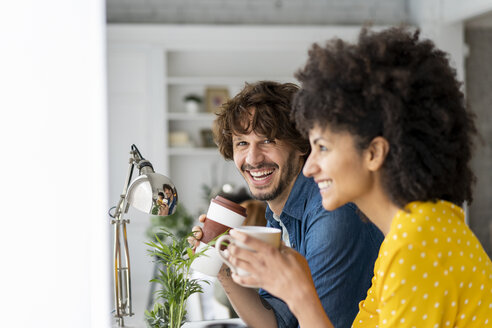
{"x": 192, "y": 106}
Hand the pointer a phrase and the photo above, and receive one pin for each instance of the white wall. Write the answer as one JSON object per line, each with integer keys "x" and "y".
{"x": 54, "y": 231}
{"x": 443, "y": 22}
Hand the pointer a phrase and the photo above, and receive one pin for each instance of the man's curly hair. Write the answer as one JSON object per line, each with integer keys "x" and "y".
{"x": 392, "y": 84}
{"x": 272, "y": 104}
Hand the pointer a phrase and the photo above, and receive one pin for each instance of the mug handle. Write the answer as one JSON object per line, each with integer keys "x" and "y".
{"x": 224, "y": 259}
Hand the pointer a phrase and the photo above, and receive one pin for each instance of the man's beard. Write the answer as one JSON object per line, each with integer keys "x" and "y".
{"x": 288, "y": 175}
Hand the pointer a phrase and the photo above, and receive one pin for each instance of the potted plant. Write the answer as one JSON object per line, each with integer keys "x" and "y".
{"x": 192, "y": 103}
{"x": 175, "y": 257}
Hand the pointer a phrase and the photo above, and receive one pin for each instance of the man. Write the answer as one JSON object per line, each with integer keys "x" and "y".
{"x": 168, "y": 191}
{"x": 254, "y": 129}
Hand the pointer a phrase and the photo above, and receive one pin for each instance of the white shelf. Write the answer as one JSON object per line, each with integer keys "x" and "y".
{"x": 175, "y": 116}
{"x": 193, "y": 151}
{"x": 224, "y": 80}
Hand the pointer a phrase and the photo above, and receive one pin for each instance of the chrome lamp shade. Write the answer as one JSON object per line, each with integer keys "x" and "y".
{"x": 143, "y": 191}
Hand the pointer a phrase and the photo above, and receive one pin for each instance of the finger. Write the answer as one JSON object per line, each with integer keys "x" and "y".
{"x": 197, "y": 232}
{"x": 284, "y": 249}
{"x": 243, "y": 254}
{"x": 290, "y": 255}
{"x": 251, "y": 242}
{"x": 193, "y": 242}
{"x": 202, "y": 218}
{"x": 246, "y": 280}
{"x": 253, "y": 269}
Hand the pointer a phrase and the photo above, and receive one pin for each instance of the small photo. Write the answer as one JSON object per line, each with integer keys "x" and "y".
{"x": 207, "y": 138}
{"x": 215, "y": 97}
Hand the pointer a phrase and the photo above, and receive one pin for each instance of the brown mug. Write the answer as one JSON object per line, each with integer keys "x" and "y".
{"x": 222, "y": 215}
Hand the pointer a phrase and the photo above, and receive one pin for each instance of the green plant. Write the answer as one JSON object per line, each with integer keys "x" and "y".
{"x": 193, "y": 97}
{"x": 176, "y": 258}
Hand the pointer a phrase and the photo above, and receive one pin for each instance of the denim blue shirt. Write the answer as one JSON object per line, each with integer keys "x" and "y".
{"x": 340, "y": 248}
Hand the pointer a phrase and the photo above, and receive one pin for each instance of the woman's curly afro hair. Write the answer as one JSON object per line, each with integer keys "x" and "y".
{"x": 392, "y": 84}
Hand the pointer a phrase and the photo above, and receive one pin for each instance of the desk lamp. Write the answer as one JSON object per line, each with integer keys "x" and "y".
{"x": 142, "y": 193}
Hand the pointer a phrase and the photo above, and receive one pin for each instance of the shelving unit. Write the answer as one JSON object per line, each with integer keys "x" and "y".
{"x": 154, "y": 67}
{"x": 192, "y": 151}
{"x": 219, "y": 80}
{"x": 175, "y": 116}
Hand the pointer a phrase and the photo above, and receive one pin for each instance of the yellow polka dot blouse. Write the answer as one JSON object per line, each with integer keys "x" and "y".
{"x": 431, "y": 272}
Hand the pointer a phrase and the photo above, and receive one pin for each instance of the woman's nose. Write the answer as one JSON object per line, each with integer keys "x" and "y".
{"x": 310, "y": 167}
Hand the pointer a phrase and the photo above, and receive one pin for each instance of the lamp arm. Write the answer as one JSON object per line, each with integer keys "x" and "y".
{"x": 137, "y": 152}
{"x": 122, "y": 277}
{"x": 135, "y": 158}
{"x": 128, "y": 275}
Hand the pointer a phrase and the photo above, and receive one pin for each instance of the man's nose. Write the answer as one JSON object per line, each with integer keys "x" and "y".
{"x": 254, "y": 156}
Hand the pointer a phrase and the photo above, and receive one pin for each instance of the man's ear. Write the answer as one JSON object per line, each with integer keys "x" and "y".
{"x": 376, "y": 153}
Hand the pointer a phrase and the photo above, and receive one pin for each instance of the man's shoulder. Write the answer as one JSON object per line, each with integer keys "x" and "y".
{"x": 315, "y": 211}
{"x": 306, "y": 190}
{"x": 305, "y": 204}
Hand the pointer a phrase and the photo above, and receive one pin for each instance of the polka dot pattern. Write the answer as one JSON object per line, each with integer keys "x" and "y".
{"x": 431, "y": 271}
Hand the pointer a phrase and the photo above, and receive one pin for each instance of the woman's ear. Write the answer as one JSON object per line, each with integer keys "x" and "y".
{"x": 376, "y": 153}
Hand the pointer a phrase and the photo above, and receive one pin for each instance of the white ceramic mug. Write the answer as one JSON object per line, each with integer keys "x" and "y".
{"x": 222, "y": 215}
{"x": 266, "y": 234}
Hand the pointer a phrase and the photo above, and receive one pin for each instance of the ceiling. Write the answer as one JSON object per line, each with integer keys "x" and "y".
{"x": 299, "y": 12}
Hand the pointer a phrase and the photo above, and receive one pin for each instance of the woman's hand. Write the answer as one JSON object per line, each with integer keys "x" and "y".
{"x": 282, "y": 272}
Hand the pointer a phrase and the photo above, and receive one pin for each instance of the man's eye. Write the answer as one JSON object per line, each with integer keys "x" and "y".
{"x": 240, "y": 143}
{"x": 268, "y": 141}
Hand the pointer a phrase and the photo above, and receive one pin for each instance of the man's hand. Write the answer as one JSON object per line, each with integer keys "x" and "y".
{"x": 197, "y": 233}
{"x": 163, "y": 209}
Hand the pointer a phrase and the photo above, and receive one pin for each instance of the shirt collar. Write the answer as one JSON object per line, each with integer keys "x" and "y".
{"x": 298, "y": 196}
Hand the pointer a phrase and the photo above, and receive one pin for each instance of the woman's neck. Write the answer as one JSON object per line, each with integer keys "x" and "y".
{"x": 378, "y": 207}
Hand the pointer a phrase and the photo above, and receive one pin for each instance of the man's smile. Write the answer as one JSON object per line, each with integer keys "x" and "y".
{"x": 260, "y": 175}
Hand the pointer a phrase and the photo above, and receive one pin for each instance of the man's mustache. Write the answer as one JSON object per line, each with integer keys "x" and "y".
{"x": 260, "y": 166}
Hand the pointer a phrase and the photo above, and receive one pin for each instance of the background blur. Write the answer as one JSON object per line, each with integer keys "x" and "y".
{"x": 83, "y": 80}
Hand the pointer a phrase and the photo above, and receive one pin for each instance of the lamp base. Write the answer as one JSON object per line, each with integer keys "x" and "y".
{"x": 120, "y": 323}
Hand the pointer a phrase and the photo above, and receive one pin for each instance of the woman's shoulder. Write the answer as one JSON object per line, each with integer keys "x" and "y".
{"x": 419, "y": 219}
{"x": 424, "y": 225}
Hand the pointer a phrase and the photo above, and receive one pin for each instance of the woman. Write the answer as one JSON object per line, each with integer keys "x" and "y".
{"x": 389, "y": 131}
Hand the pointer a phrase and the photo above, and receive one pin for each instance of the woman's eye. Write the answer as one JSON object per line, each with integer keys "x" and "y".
{"x": 322, "y": 148}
